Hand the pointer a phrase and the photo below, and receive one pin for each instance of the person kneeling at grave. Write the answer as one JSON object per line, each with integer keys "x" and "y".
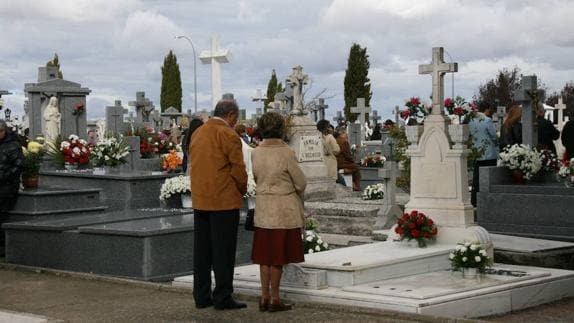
{"x": 345, "y": 160}
{"x": 279, "y": 216}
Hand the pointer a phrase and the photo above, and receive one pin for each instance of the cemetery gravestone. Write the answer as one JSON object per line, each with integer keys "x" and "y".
{"x": 322, "y": 107}
{"x": 338, "y": 119}
{"x": 363, "y": 112}
{"x": 143, "y": 107}
{"x": 529, "y": 95}
{"x": 115, "y": 118}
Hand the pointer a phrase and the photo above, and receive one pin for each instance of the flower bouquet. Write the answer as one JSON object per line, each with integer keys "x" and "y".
{"x": 32, "y": 163}
{"x": 469, "y": 255}
{"x": 171, "y": 161}
{"x": 566, "y": 172}
{"x": 75, "y": 151}
{"x": 376, "y": 160}
{"x": 522, "y": 159}
{"x": 173, "y": 186}
{"x": 312, "y": 242}
{"x": 415, "y": 110}
{"x": 79, "y": 109}
{"x": 373, "y": 192}
{"x": 458, "y": 107}
{"x": 418, "y": 226}
{"x": 110, "y": 151}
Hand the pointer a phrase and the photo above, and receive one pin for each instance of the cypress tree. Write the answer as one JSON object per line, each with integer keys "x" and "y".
{"x": 272, "y": 88}
{"x": 357, "y": 83}
{"x": 170, "y": 83}
{"x": 56, "y": 62}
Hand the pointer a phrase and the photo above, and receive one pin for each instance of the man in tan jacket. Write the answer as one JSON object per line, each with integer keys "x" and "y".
{"x": 218, "y": 182}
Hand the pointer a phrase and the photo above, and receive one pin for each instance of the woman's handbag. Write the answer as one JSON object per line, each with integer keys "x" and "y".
{"x": 250, "y": 220}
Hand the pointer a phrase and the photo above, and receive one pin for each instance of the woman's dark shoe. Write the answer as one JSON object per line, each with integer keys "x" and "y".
{"x": 263, "y": 304}
{"x": 279, "y": 307}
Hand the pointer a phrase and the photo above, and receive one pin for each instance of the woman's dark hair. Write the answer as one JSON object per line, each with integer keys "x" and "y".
{"x": 271, "y": 125}
{"x": 193, "y": 125}
{"x": 323, "y": 126}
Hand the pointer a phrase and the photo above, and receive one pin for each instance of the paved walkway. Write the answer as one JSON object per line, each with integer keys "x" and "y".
{"x": 88, "y": 298}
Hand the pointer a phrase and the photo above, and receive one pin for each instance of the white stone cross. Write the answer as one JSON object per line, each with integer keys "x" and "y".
{"x": 259, "y": 99}
{"x": 296, "y": 80}
{"x": 560, "y": 107}
{"x": 215, "y": 56}
{"x": 437, "y": 68}
{"x": 362, "y": 110}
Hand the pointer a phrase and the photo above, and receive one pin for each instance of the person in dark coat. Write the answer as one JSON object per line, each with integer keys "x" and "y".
{"x": 511, "y": 131}
{"x": 345, "y": 158}
{"x": 547, "y": 133}
{"x": 11, "y": 164}
{"x": 567, "y": 138}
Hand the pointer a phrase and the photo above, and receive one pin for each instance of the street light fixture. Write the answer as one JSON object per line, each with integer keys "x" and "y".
{"x": 194, "y": 69}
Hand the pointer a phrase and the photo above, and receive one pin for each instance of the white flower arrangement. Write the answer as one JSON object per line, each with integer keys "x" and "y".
{"x": 469, "y": 255}
{"x": 312, "y": 242}
{"x": 373, "y": 192}
{"x": 174, "y": 185}
{"x": 110, "y": 151}
{"x": 522, "y": 158}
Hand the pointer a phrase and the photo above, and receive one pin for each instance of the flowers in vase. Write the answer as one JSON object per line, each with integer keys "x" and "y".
{"x": 110, "y": 151}
{"x": 418, "y": 226}
{"x": 469, "y": 255}
{"x": 460, "y": 109}
{"x": 175, "y": 185}
{"x": 376, "y": 160}
{"x": 373, "y": 192}
{"x": 75, "y": 151}
{"x": 566, "y": 172}
{"x": 415, "y": 110}
{"x": 171, "y": 161}
{"x": 312, "y": 242}
{"x": 522, "y": 158}
{"x": 32, "y": 159}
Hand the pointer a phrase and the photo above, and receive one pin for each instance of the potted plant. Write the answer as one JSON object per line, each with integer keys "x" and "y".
{"x": 417, "y": 226}
{"x": 32, "y": 162}
{"x": 110, "y": 152}
{"x": 521, "y": 160}
{"x": 470, "y": 258}
{"x": 566, "y": 172}
{"x": 176, "y": 192}
{"x": 373, "y": 192}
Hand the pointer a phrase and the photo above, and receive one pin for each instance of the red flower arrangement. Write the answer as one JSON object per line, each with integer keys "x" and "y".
{"x": 414, "y": 110}
{"x": 418, "y": 226}
{"x": 75, "y": 151}
{"x": 465, "y": 111}
{"x": 79, "y": 109}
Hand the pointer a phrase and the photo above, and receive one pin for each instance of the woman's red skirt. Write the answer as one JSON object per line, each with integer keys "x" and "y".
{"x": 277, "y": 247}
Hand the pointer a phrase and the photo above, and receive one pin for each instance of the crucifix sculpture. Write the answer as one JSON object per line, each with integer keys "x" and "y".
{"x": 296, "y": 80}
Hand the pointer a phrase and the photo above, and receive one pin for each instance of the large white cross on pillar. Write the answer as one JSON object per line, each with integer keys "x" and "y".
{"x": 437, "y": 68}
{"x": 362, "y": 110}
{"x": 259, "y": 99}
{"x": 560, "y": 107}
{"x": 215, "y": 56}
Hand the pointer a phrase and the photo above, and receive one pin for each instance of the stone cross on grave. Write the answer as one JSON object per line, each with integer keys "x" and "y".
{"x": 390, "y": 212}
{"x": 215, "y": 56}
{"x": 437, "y": 68}
{"x": 322, "y": 107}
{"x": 375, "y": 117}
{"x": 560, "y": 107}
{"x": 143, "y": 107}
{"x": 275, "y": 106}
{"x": 156, "y": 119}
{"x": 362, "y": 110}
{"x": 313, "y": 110}
{"x": 258, "y": 113}
{"x": 296, "y": 80}
{"x": 115, "y": 117}
{"x": 338, "y": 118}
{"x": 529, "y": 95}
{"x": 259, "y": 99}
{"x": 498, "y": 117}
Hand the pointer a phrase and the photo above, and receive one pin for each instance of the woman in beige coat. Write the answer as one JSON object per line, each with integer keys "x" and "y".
{"x": 330, "y": 148}
{"x": 279, "y": 215}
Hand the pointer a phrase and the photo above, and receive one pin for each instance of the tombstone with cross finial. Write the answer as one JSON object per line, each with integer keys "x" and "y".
{"x": 560, "y": 106}
{"x": 439, "y": 173}
{"x": 498, "y": 117}
{"x": 296, "y": 81}
{"x": 375, "y": 117}
{"x": 363, "y": 112}
{"x": 529, "y": 96}
{"x": 313, "y": 111}
{"x": 322, "y": 107}
{"x": 115, "y": 118}
{"x": 143, "y": 107}
{"x": 338, "y": 119}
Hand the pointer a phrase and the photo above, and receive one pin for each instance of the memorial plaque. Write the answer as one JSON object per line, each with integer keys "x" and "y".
{"x": 310, "y": 149}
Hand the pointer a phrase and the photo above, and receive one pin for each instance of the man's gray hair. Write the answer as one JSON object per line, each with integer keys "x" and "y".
{"x": 224, "y": 107}
{"x": 3, "y": 124}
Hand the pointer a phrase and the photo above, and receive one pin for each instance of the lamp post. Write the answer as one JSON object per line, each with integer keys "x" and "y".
{"x": 194, "y": 69}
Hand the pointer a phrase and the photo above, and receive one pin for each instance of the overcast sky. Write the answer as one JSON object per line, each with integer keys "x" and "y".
{"x": 116, "y": 47}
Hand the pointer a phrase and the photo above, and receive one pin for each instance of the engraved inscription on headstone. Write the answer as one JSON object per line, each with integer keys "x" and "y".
{"x": 310, "y": 148}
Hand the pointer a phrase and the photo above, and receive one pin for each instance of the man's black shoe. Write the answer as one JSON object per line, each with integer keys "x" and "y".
{"x": 204, "y": 305}
{"x": 230, "y": 305}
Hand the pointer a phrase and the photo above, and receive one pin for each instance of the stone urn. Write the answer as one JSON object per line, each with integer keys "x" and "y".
{"x": 413, "y": 134}
{"x": 458, "y": 135}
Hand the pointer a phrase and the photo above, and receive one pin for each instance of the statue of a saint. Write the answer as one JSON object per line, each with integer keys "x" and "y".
{"x": 297, "y": 80}
{"x": 52, "y": 118}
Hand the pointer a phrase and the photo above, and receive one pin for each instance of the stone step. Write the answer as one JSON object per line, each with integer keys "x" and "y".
{"x": 346, "y": 207}
{"x": 346, "y": 225}
{"x": 56, "y": 200}
{"x": 343, "y": 240}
